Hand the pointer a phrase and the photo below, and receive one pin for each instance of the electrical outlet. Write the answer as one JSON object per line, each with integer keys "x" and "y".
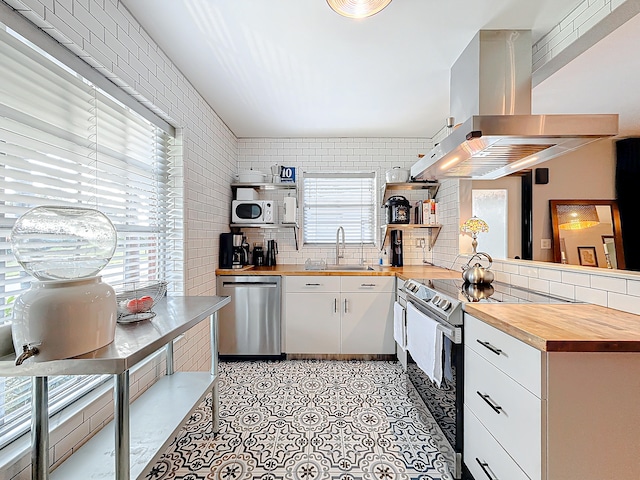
{"x": 545, "y": 244}
{"x": 419, "y": 242}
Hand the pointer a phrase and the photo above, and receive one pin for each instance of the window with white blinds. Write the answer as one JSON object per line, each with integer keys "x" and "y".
{"x": 65, "y": 142}
{"x": 333, "y": 200}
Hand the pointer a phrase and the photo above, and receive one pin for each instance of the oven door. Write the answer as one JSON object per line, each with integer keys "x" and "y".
{"x": 444, "y": 402}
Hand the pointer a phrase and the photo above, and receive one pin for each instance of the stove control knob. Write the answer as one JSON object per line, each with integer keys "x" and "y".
{"x": 436, "y": 300}
{"x": 446, "y": 305}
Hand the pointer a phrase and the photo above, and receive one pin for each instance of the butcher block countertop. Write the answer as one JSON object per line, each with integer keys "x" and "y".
{"x": 564, "y": 328}
{"x": 404, "y": 273}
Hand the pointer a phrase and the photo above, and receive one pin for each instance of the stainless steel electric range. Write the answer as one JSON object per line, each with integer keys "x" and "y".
{"x": 443, "y": 300}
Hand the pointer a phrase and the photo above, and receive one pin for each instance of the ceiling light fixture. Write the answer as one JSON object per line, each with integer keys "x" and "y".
{"x": 358, "y": 8}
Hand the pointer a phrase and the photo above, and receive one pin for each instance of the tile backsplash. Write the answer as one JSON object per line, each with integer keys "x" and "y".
{"x": 334, "y": 155}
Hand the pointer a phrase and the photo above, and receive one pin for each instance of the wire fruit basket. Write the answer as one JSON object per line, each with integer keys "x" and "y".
{"x": 135, "y": 300}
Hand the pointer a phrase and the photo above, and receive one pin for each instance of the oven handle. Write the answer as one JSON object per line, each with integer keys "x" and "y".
{"x": 452, "y": 333}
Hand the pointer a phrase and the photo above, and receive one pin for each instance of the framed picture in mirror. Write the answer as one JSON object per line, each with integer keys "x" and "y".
{"x": 587, "y": 256}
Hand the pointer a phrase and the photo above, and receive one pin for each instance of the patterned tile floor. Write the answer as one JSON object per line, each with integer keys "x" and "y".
{"x": 309, "y": 420}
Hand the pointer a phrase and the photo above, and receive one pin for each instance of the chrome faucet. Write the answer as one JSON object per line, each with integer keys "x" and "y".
{"x": 27, "y": 352}
{"x": 338, "y": 255}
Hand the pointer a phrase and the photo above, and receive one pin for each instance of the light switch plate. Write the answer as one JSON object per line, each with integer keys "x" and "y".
{"x": 545, "y": 244}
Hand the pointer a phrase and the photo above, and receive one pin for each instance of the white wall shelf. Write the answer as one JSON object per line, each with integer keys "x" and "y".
{"x": 268, "y": 187}
{"x": 433, "y": 231}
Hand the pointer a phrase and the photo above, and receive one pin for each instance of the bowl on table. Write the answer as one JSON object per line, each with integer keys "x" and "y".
{"x": 136, "y": 300}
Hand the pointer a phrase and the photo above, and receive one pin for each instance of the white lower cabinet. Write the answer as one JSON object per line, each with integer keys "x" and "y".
{"x": 548, "y": 415}
{"x": 484, "y": 456}
{"x": 332, "y": 315}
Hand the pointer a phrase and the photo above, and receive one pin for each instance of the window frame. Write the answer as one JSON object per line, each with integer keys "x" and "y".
{"x": 372, "y": 208}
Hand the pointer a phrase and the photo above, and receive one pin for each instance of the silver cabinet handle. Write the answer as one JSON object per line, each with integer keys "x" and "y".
{"x": 485, "y": 468}
{"x": 494, "y": 406}
{"x": 335, "y": 305}
{"x": 312, "y": 284}
{"x": 345, "y": 305}
{"x": 367, "y": 284}
{"x": 495, "y": 350}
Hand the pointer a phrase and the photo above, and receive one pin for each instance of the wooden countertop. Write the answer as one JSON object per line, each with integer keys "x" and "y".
{"x": 564, "y": 328}
{"x": 404, "y": 273}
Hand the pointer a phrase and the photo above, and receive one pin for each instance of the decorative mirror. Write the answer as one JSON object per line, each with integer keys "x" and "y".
{"x": 587, "y": 233}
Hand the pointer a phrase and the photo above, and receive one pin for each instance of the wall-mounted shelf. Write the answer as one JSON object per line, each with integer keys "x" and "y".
{"x": 267, "y": 187}
{"x": 434, "y": 231}
{"x": 431, "y": 186}
{"x": 269, "y": 225}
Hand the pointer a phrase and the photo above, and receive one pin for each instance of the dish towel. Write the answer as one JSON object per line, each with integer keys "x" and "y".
{"x": 424, "y": 341}
{"x": 398, "y": 325}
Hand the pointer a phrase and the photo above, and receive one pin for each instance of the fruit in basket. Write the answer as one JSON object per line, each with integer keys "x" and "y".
{"x": 141, "y": 304}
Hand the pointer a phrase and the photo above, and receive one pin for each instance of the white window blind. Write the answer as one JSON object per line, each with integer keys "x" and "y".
{"x": 65, "y": 142}
{"x": 333, "y": 200}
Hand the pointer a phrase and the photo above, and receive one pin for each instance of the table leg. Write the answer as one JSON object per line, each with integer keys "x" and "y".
{"x": 40, "y": 428}
{"x": 121, "y": 414}
{"x": 215, "y": 393}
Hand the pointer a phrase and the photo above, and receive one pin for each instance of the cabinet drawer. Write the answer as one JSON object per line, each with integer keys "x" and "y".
{"x": 312, "y": 283}
{"x": 520, "y": 361}
{"x": 368, "y": 284}
{"x": 509, "y": 411}
{"x": 481, "y": 448}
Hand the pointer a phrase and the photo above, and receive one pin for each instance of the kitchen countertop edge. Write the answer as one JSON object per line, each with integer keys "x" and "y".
{"x": 564, "y": 328}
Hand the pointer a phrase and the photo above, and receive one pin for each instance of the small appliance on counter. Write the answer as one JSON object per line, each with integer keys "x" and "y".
{"x": 232, "y": 254}
{"x": 244, "y": 252}
{"x": 396, "y": 248}
{"x": 258, "y": 255}
{"x": 398, "y": 209}
{"x": 272, "y": 251}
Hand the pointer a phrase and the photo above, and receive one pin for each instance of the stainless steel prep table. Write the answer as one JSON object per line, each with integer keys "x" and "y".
{"x": 168, "y": 402}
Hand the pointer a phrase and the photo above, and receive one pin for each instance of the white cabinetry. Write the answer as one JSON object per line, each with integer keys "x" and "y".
{"x": 312, "y": 323}
{"x": 547, "y": 415}
{"x": 339, "y": 315}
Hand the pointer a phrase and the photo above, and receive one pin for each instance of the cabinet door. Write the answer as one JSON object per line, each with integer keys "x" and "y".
{"x": 367, "y": 323}
{"x": 313, "y": 323}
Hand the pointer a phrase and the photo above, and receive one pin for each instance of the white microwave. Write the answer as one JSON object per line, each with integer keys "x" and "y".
{"x": 252, "y": 211}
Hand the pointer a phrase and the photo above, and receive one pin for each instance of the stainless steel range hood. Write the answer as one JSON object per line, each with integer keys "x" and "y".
{"x": 491, "y": 87}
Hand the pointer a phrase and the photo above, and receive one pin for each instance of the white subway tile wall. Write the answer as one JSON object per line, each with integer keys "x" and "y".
{"x": 334, "y": 155}
{"x": 580, "y": 20}
{"x": 108, "y": 38}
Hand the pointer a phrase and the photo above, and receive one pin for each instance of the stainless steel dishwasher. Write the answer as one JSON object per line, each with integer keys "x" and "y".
{"x": 250, "y": 324}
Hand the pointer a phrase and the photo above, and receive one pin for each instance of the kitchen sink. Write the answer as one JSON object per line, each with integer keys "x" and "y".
{"x": 349, "y": 267}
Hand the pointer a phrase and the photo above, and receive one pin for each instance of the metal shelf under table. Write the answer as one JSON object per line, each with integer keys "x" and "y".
{"x": 132, "y": 343}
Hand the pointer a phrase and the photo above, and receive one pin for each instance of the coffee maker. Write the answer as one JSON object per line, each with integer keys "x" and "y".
{"x": 396, "y": 248}
{"x": 231, "y": 251}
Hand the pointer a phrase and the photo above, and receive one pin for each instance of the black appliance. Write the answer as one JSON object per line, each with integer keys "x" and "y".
{"x": 272, "y": 251}
{"x": 244, "y": 254}
{"x": 443, "y": 301}
{"x": 396, "y": 248}
{"x": 398, "y": 209}
{"x": 258, "y": 255}
{"x": 231, "y": 251}
{"x": 225, "y": 258}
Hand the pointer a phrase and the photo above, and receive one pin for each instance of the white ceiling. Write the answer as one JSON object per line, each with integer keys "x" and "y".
{"x": 294, "y": 68}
